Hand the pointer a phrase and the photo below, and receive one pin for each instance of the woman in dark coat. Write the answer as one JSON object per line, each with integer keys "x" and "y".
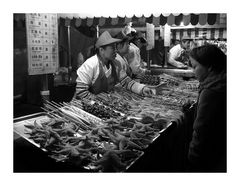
{"x": 207, "y": 148}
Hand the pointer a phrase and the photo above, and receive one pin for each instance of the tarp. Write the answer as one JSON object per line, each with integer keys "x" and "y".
{"x": 140, "y": 20}
{"x": 157, "y": 20}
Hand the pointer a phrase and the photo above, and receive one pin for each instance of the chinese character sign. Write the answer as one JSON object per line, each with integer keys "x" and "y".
{"x": 42, "y": 43}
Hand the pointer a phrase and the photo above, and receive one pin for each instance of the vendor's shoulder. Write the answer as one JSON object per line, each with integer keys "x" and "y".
{"x": 92, "y": 61}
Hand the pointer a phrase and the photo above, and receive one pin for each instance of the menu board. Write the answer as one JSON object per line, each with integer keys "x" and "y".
{"x": 42, "y": 43}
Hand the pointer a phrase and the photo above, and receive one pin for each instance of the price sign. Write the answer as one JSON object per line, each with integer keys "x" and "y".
{"x": 42, "y": 43}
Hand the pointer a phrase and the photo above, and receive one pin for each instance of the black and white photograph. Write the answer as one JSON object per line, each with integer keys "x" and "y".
{"x": 121, "y": 95}
{"x": 106, "y": 94}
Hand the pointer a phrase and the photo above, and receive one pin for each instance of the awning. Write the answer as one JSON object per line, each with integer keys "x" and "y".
{"x": 138, "y": 20}
{"x": 157, "y": 20}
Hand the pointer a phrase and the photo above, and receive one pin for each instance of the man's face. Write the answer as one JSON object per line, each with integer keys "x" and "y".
{"x": 109, "y": 52}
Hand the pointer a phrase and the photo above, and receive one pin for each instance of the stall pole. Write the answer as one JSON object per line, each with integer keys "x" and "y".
{"x": 69, "y": 54}
{"x": 167, "y": 40}
{"x": 97, "y": 27}
{"x": 148, "y": 60}
{"x": 166, "y": 56}
{"x": 45, "y": 93}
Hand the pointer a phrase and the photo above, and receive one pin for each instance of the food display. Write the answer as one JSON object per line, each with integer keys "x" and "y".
{"x": 150, "y": 80}
{"x": 113, "y": 146}
{"x": 190, "y": 86}
{"x": 91, "y": 149}
{"x": 100, "y": 110}
{"x": 113, "y": 131}
{"x": 170, "y": 80}
{"x": 114, "y": 101}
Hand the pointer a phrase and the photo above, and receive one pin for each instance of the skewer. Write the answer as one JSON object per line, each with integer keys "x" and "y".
{"x": 54, "y": 115}
{"x": 58, "y": 105}
{"x": 55, "y": 107}
{"x": 50, "y": 107}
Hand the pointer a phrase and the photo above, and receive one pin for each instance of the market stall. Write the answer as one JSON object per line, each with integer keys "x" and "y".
{"x": 117, "y": 131}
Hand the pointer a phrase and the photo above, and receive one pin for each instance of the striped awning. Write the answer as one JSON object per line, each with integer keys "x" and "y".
{"x": 198, "y": 33}
{"x": 171, "y": 19}
{"x": 157, "y": 20}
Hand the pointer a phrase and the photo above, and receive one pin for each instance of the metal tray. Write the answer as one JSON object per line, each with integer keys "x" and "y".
{"x": 21, "y": 130}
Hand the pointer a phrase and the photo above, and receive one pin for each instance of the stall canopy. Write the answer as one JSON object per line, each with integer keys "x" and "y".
{"x": 157, "y": 20}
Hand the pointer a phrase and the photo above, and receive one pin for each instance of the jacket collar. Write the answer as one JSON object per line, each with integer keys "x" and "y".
{"x": 214, "y": 81}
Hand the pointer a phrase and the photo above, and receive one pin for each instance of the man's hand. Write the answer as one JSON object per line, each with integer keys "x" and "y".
{"x": 148, "y": 91}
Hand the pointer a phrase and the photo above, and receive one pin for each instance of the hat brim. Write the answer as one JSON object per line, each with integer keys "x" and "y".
{"x": 108, "y": 42}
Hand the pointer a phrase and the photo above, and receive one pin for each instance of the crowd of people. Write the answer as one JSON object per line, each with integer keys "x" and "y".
{"x": 118, "y": 60}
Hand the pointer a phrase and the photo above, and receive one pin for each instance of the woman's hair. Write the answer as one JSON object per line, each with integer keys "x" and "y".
{"x": 210, "y": 56}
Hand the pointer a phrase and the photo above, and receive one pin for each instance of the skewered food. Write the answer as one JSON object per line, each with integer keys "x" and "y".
{"x": 150, "y": 80}
{"x": 100, "y": 111}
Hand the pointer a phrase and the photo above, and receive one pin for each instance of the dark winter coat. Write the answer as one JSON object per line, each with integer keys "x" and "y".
{"x": 207, "y": 149}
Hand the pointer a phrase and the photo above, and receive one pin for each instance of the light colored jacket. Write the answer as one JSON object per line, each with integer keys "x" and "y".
{"x": 134, "y": 60}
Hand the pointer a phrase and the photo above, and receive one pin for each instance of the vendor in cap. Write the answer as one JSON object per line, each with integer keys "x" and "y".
{"x": 133, "y": 56}
{"x": 177, "y": 54}
{"x": 100, "y": 73}
{"x": 122, "y": 50}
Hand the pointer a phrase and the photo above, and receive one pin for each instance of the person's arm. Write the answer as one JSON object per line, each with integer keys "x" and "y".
{"x": 84, "y": 80}
{"x": 129, "y": 83}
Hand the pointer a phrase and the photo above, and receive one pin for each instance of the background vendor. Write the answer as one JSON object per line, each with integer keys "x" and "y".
{"x": 133, "y": 56}
{"x": 178, "y": 56}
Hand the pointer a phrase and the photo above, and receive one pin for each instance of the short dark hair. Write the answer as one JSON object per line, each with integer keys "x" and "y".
{"x": 210, "y": 56}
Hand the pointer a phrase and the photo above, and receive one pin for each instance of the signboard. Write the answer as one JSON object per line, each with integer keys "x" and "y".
{"x": 150, "y": 36}
{"x": 167, "y": 35}
{"x": 42, "y": 43}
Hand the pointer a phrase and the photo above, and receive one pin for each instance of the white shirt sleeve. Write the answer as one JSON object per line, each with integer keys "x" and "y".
{"x": 88, "y": 71}
{"x": 87, "y": 75}
{"x": 175, "y": 53}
